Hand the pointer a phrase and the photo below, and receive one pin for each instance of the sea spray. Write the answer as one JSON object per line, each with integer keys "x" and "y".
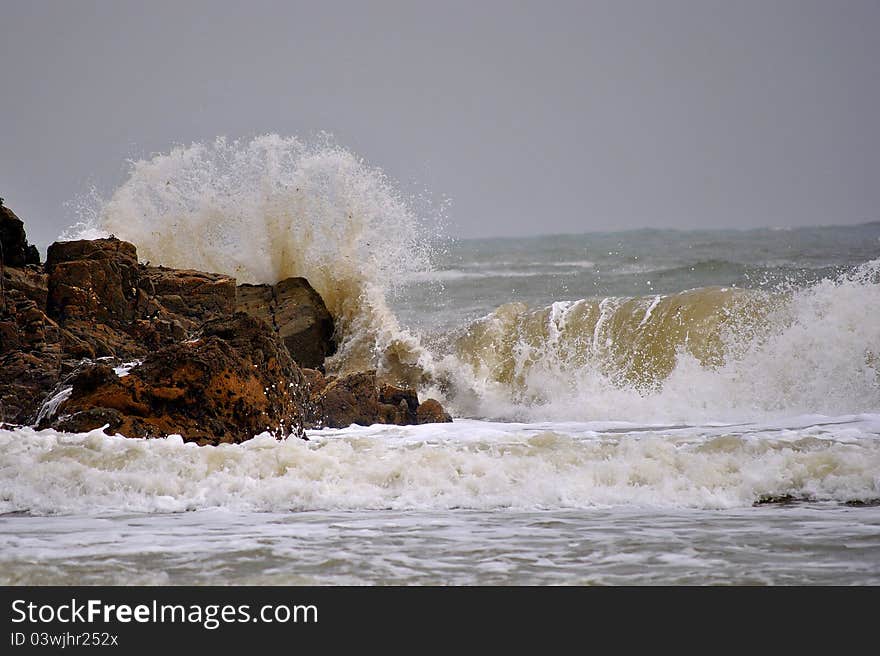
{"x": 273, "y": 207}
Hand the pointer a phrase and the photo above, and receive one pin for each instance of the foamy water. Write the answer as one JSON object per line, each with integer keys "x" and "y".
{"x": 623, "y": 402}
{"x": 470, "y": 464}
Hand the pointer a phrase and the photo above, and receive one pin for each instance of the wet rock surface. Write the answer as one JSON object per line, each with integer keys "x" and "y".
{"x": 222, "y": 387}
{"x": 358, "y": 399}
{"x": 297, "y": 313}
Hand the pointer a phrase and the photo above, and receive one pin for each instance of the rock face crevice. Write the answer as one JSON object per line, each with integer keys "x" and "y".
{"x": 204, "y": 358}
{"x": 297, "y": 313}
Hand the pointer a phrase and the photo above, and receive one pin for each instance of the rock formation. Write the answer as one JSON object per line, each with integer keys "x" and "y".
{"x": 95, "y": 339}
{"x": 358, "y": 399}
{"x": 297, "y": 313}
{"x": 16, "y": 251}
{"x": 223, "y": 386}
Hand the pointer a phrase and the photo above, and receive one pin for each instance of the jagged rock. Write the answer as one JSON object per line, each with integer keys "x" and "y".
{"x": 297, "y": 313}
{"x": 431, "y": 412}
{"x": 93, "y": 294}
{"x": 316, "y": 380}
{"x": 26, "y": 379}
{"x": 186, "y": 294}
{"x": 31, "y": 281}
{"x": 355, "y": 399}
{"x": 93, "y": 281}
{"x": 14, "y": 249}
{"x": 398, "y": 405}
{"x": 352, "y": 399}
{"x": 206, "y": 372}
{"x": 102, "y": 296}
{"x": 232, "y": 383}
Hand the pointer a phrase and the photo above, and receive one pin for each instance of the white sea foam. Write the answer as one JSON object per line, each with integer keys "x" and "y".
{"x": 51, "y": 405}
{"x": 468, "y": 464}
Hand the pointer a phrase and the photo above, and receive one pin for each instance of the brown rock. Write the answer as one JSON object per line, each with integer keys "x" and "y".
{"x": 32, "y": 351}
{"x": 431, "y": 412}
{"x": 317, "y": 381}
{"x": 394, "y": 414}
{"x": 355, "y": 399}
{"x": 14, "y": 249}
{"x": 297, "y": 313}
{"x": 103, "y": 341}
{"x": 404, "y": 401}
{"x": 232, "y": 383}
{"x": 99, "y": 293}
{"x": 26, "y": 326}
{"x": 92, "y": 280}
{"x": 188, "y": 295}
{"x": 352, "y": 399}
{"x": 257, "y": 301}
{"x": 30, "y": 281}
{"x": 26, "y": 379}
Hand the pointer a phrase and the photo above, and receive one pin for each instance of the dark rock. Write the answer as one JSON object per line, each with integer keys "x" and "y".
{"x": 14, "y": 249}
{"x": 316, "y": 380}
{"x": 100, "y": 294}
{"x": 394, "y": 414}
{"x": 862, "y": 503}
{"x": 431, "y": 412}
{"x": 778, "y": 499}
{"x": 103, "y": 340}
{"x": 232, "y": 383}
{"x": 205, "y": 371}
{"x": 26, "y": 379}
{"x": 32, "y": 351}
{"x": 115, "y": 422}
{"x": 355, "y": 399}
{"x": 297, "y": 313}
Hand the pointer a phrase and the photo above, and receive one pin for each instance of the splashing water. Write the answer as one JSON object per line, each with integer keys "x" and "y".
{"x": 272, "y": 208}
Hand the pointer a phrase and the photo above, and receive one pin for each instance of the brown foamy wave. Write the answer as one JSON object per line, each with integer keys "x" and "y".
{"x": 709, "y": 354}
{"x": 634, "y": 341}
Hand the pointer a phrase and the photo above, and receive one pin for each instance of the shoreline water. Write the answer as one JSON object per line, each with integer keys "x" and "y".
{"x": 799, "y": 544}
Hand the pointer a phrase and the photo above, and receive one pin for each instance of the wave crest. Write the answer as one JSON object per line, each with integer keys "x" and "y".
{"x": 709, "y": 354}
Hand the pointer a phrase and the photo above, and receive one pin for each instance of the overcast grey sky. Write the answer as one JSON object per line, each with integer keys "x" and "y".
{"x": 531, "y": 116}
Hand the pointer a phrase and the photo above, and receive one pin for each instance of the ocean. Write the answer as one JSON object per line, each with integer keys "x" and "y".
{"x": 643, "y": 407}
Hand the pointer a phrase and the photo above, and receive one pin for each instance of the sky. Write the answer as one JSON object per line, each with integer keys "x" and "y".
{"x": 529, "y": 117}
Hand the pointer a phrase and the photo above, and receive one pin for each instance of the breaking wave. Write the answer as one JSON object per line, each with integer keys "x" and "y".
{"x": 709, "y": 354}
